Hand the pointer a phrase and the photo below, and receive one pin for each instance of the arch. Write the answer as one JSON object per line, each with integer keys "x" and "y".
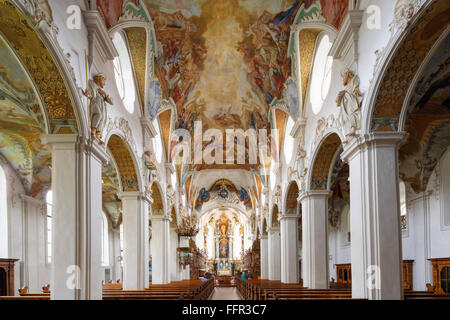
{"x": 174, "y": 220}
{"x": 274, "y": 217}
{"x": 390, "y": 87}
{"x": 323, "y": 159}
{"x": 125, "y": 162}
{"x": 4, "y": 234}
{"x": 158, "y": 203}
{"x": 292, "y": 194}
{"x": 264, "y": 227}
{"x": 49, "y": 73}
{"x": 304, "y": 37}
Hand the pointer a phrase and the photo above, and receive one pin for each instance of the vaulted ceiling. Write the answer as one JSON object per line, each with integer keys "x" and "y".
{"x": 225, "y": 63}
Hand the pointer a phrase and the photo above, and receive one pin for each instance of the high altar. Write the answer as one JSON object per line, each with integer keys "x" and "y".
{"x": 223, "y": 246}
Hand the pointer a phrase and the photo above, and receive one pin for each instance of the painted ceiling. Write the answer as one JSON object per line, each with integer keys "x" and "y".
{"x": 225, "y": 63}
{"x": 428, "y": 122}
{"x": 22, "y": 124}
{"x": 40, "y": 65}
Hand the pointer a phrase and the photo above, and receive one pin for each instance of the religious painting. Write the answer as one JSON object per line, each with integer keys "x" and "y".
{"x": 222, "y": 62}
{"x": 223, "y": 248}
{"x": 110, "y": 10}
{"x": 334, "y": 11}
{"x": 154, "y": 98}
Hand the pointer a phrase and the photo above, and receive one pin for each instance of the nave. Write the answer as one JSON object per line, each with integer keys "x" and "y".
{"x": 189, "y": 149}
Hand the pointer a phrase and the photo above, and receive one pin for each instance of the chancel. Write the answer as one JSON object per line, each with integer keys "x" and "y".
{"x": 224, "y": 150}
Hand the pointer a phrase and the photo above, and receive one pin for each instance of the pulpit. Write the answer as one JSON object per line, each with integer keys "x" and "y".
{"x": 7, "y": 277}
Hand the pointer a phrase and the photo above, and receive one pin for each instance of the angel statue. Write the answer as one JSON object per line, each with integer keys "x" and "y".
{"x": 97, "y": 107}
{"x": 348, "y": 101}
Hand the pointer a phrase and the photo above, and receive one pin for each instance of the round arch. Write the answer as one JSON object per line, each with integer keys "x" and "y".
{"x": 401, "y": 65}
{"x": 126, "y": 163}
{"x": 322, "y": 162}
{"x": 158, "y": 202}
{"x": 291, "y": 196}
{"x": 274, "y": 223}
{"x": 51, "y": 74}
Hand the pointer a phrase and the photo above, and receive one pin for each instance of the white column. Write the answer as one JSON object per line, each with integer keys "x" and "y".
{"x": 173, "y": 259}
{"x": 420, "y": 213}
{"x": 135, "y": 240}
{"x": 274, "y": 254}
{"x": 34, "y": 254}
{"x": 314, "y": 239}
{"x": 264, "y": 257}
{"x": 289, "y": 252}
{"x": 375, "y": 215}
{"x": 116, "y": 269}
{"x": 76, "y": 217}
{"x": 160, "y": 249}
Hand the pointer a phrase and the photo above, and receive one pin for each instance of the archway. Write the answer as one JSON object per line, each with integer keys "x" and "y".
{"x": 315, "y": 213}
{"x": 388, "y": 97}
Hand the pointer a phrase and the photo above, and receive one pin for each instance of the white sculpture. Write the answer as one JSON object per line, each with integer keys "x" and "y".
{"x": 97, "y": 107}
{"x": 348, "y": 101}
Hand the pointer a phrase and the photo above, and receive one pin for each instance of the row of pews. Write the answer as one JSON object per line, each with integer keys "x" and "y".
{"x": 182, "y": 290}
{"x": 275, "y": 290}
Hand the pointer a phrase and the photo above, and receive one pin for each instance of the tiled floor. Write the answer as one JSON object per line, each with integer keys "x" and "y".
{"x": 225, "y": 294}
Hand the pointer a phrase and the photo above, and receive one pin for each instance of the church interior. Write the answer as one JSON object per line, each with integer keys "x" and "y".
{"x": 234, "y": 149}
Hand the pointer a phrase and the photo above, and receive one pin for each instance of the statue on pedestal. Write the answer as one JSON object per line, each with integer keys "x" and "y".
{"x": 97, "y": 107}
{"x": 348, "y": 101}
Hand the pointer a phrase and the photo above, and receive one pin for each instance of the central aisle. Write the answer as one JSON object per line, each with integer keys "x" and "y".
{"x": 225, "y": 294}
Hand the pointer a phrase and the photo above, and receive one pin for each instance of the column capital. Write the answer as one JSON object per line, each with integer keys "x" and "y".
{"x": 377, "y": 139}
{"x": 272, "y": 230}
{"x": 162, "y": 217}
{"x": 288, "y": 217}
{"x": 314, "y": 194}
{"x": 61, "y": 141}
{"x": 135, "y": 195}
{"x": 263, "y": 237}
{"x": 96, "y": 149}
{"x": 32, "y": 200}
{"x": 169, "y": 167}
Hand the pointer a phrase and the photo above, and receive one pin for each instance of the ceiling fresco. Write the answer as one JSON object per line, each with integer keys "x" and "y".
{"x": 428, "y": 122}
{"x": 40, "y": 65}
{"x": 222, "y": 62}
{"x": 223, "y": 190}
{"x": 405, "y": 64}
{"x": 22, "y": 124}
{"x": 112, "y": 205}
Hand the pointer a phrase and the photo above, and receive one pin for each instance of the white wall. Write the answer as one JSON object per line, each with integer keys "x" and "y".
{"x": 426, "y": 235}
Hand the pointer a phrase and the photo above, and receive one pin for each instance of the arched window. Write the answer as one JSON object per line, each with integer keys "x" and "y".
{"x": 121, "y": 243}
{"x": 403, "y": 210}
{"x": 289, "y": 140}
{"x": 321, "y": 74}
{"x": 445, "y": 189}
{"x": 3, "y": 216}
{"x": 49, "y": 201}
{"x": 105, "y": 241}
{"x": 157, "y": 143}
{"x": 123, "y": 73}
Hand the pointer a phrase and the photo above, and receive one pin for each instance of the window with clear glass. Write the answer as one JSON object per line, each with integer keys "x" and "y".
{"x": 49, "y": 201}
{"x": 289, "y": 141}
{"x": 105, "y": 241}
{"x": 321, "y": 74}
{"x": 123, "y": 73}
{"x": 121, "y": 243}
{"x": 157, "y": 143}
{"x": 3, "y": 216}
